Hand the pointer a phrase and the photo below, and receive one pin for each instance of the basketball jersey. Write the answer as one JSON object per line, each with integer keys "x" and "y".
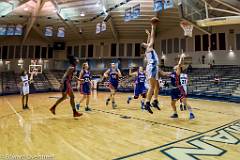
{"x": 70, "y": 76}
{"x": 113, "y": 74}
{"x": 152, "y": 57}
{"x": 25, "y": 80}
{"x": 175, "y": 79}
{"x": 86, "y": 76}
{"x": 184, "y": 80}
{"x": 141, "y": 78}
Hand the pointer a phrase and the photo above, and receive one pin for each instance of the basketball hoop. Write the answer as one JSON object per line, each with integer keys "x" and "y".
{"x": 187, "y": 27}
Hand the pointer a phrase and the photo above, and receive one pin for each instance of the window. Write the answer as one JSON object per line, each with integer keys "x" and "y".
{"x": 76, "y": 51}
{"x": 114, "y": 50}
{"x": 213, "y": 42}
{"x": 69, "y": 51}
{"x": 198, "y": 43}
{"x": 164, "y": 46}
{"x": 183, "y": 45}
{"x": 61, "y": 32}
{"x": 176, "y": 45}
{"x": 129, "y": 50}
{"x": 137, "y": 49}
{"x": 11, "y": 52}
{"x": 31, "y": 52}
{"x": 37, "y": 52}
{"x": 24, "y": 51}
{"x": 50, "y": 52}
{"x": 5, "y": 52}
{"x": 169, "y": 45}
{"x": 222, "y": 41}
{"x": 48, "y": 31}
{"x": 238, "y": 41}
{"x": 90, "y": 50}
{"x": 205, "y": 42}
{"x": 83, "y": 52}
{"x": 44, "y": 52}
{"x": 121, "y": 50}
{"x": 18, "y": 52}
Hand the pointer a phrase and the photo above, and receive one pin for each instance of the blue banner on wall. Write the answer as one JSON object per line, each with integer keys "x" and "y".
{"x": 158, "y": 5}
{"x": 168, "y": 4}
{"x": 136, "y": 11}
{"x": 128, "y": 14}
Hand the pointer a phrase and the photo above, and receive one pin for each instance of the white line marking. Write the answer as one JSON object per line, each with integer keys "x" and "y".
{"x": 20, "y": 118}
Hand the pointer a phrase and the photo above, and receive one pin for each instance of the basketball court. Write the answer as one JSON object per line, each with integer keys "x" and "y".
{"x": 37, "y": 36}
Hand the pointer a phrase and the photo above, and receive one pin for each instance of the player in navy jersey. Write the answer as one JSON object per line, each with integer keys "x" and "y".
{"x": 113, "y": 73}
{"x": 66, "y": 87}
{"x": 177, "y": 91}
{"x": 139, "y": 88}
{"x": 85, "y": 86}
{"x": 152, "y": 67}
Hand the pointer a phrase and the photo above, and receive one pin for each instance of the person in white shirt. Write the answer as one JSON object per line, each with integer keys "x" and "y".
{"x": 24, "y": 87}
{"x": 184, "y": 83}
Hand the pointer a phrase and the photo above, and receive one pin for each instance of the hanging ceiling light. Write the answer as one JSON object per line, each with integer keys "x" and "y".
{"x": 40, "y": 61}
{"x": 231, "y": 52}
{"x": 1, "y": 62}
{"x": 20, "y": 61}
{"x": 26, "y": 9}
{"x": 82, "y": 14}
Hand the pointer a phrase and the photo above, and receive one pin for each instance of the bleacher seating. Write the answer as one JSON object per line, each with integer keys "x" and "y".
{"x": 55, "y": 84}
{"x": 9, "y": 84}
{"x": 201, "y": 82}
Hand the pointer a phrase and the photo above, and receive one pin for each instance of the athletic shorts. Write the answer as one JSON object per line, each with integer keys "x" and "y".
{"x": 113, "y": 85}
{"x": 86, "y": 88}
{"x": 66, "y": 87}
{"x": 25, "y": 90}
{"x": 152, "y": 71}
{"x": 178, "y": 93}
{"x": 140, "y": 89}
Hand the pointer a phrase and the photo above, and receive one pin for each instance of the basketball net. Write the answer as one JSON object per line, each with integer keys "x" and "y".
{"x": 34, "y": 68}
{"x": 187, "y": 27}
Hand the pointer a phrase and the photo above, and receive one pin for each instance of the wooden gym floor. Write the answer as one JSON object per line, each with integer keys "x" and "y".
{"x": 123, "y": 133}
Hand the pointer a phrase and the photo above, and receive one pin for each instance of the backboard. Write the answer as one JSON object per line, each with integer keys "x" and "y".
{"x": 193, "y": 11}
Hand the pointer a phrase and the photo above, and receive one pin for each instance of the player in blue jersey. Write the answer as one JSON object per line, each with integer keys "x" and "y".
{"x": 85, "y": 86}
{"x": 139, "y": 88}
{"x": 152, "y": 67}
{"x": 114, "y": 74}
{"x": 178, "y": 92}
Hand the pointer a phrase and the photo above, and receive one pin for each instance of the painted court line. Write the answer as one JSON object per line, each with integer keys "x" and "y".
{"x": 158, "y": 147}
{"x": 145, "y": 120}
{"x": 20, "y": 118}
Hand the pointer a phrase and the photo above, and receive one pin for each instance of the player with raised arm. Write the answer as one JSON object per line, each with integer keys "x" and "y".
{"x": 113, "y": 73}
{"x": 66, "y": 87}
{"x": 178, "y": 91}
{"x": 139, "y": 88}
{"x": 24, "y": 87}
{"x": 152, "y": 67}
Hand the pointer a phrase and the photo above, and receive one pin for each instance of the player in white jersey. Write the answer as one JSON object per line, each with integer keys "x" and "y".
{"x": 24, "y": 87}
{"x": 152, "y": 67}
{"x": 184, "y": 83}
